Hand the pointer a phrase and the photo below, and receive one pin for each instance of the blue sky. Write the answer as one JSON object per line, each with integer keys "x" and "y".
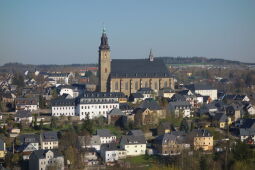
{"x": 67, "y": 32}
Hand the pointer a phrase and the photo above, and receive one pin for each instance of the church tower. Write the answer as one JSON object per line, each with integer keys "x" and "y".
{"x": 104, "y": 63}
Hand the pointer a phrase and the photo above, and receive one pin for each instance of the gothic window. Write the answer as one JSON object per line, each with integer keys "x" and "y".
{"x": 105, "y": 70}
{"x": 116, "y": 85}
{"x": 156, "y": 85}
{"x": 165, "y": 84}
{"x": 126, "y": 86}
{"x": 146, "y": 84}
{"x": 136, "y": 85}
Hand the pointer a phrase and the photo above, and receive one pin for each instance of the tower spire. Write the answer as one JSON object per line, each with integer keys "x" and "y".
{"x": 151, "y": 57}
{"x": 104, "y": 41}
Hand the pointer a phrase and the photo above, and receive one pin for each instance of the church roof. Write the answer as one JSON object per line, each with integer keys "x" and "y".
{"x": 139, "y": 68}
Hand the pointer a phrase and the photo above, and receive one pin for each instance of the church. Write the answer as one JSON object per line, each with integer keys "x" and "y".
{"x": 129, "y": 75}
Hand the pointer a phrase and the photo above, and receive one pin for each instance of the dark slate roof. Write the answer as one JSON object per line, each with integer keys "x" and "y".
{"x": 104, "y": 133}
{"x": 109, "y": 147}
{"x": 201, "y": 133}
{"x": 221, "y": 117}
{"x": 27, "y": 101}
{"x": 132, "y": 139}
{"x": 167, "y": 90}
{"x": 150, "y": 104}
{"x": 104, "y": 95}
{"x": 63, "y": 102}
{"x": 247, "y": 132}
{"x": 40, "y": 154}
{"x": 178, "y": 97}
{"x": 136, "y": 95}
{"x": 125, "y": 106}
{"x": 23, "y": 114}
{"x": 58, "y": 74}
{"x": 184, "y": 92}
{"x": 116, "y": 111}
{"x": 166, "y": 125}
{"x": 136, "y": 133}
{"x": 138, "y": 68}
{"x": 1, "y": 145}
{"x": 145, "y": 91}
{"x": 247, "y": 123}
{"x": 29, "y": 138}
{"x": 179, "y": 104}
{"x": 194, "y": 87}
{"x": 49, "y": 136}
{"x": 168, "y": 137}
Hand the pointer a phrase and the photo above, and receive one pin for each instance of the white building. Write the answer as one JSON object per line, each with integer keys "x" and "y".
{"x": 43, "y": 159}
{"x": 31, "y": 104}
{"x": 180, "y": 107}
{"x": 106, "y": 136}
{"x": 96, "y": 104}
{"x": 60, "y": 78}
{"x": 70, "y": 90}
{"x": 49, "y": 140}
{"x": 134, "y": 144}
{"x": 63, "y": 107}
{"x": 111, "y": 153}
{"x": 204, "y": 90}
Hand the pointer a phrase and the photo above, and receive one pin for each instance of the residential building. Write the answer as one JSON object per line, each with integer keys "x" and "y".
{"x": 180, "y": 108}
{"x": 63, "y": 107}
{"x": 27, "y": 144}
{"x": 165, "y": 127}
{"x": 171, "y": 143}
{"x": 44, "y": 159}
{"x": 2, "y": 149}
{"x": 23, "y": 116}
{"x": 117, "y": 117}
{"x": 134, "y": 144}
{"x": 202, "y": 139}
{"x": 247, "y": 130}
{"x": 166, "y": 92}
{"x": 147, "y": 93}
{"x": 49, "y": 140}
{"x": 111, "y": 153}
{"x": 31, "y": 104}
{"x": 106, "y": 136}
{"x": 89, "y": 156}
{"x": 204, "y": 90}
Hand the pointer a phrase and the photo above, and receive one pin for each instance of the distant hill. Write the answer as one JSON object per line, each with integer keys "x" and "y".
{"x": 201, "y": 60}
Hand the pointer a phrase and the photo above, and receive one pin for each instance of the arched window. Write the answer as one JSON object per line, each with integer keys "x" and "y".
{"x": 146, "y": 84}
{"x": 156, "y": 85}
{"x": 165, "y": 84}
{"x": 136, "y": 85}
{"x": 126, "y": 86}
{"x": 116, "y": 86}
{"x": 105, "y": 70}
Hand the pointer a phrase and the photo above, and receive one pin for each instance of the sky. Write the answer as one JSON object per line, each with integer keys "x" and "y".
{"x": 69, "y": 31}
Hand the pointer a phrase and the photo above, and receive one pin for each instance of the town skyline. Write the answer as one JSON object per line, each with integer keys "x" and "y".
{"x": 68, "y": 33}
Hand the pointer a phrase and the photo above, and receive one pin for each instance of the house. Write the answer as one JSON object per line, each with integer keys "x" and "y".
{"x": 31, "y": 104}
{"x": 204, "y": 90}
{"x": 117, "y": 117}
{"x": 202, "y": 139}
{"x": 146, "y": 92}
{"x": 2, "y": 149}
{"x": 60, "y": 78}
{"x": 180, "y": 108}
{"x": 14, "y": 132}
{"x": 89, "y": 156}
{"x": 154, "y": 106}
{"x": 106, "y": 136}
{"x": 90, "y": 142}
{"x": 247, "y": 130}
{"x": 126, "y": 108}
{"x": 208, "y": 108}
{"x": 136, "y": 97}
{"x": 166, "y": 92}
{"x": 134, "y": 143}
{"x": 27, "y": 144}
{"x": 49, "y": 140}
{"x": 221, "y": 120}
{"x": 170, "y": 143}
{"x": 23, "y": 116}
{"x": 44, "y": 159}
{"x": 165, "y": 127}
{"x": 111, "y": 153}
{"x": 145, "y": 116}
{"x": 249, "y": 108}
{"x": 235, "y": 97}
{"x": 234, "y": 111}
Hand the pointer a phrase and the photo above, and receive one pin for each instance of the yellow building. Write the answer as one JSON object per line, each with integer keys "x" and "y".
{"x": 2, "y": 149}
{"x": 202, "y": 140}
{"x": 129, "y": 75}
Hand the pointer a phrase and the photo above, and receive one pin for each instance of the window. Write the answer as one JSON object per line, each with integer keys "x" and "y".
{"x": 146, "y": 84}
{"x": 116, "y": 85}
{"x": 105, "y": 70}
{"x": 156, "y": 85}
{"x": 126, "y": 86}
{"x": 165, "y": 84}
{"x": 136, "y": 85}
